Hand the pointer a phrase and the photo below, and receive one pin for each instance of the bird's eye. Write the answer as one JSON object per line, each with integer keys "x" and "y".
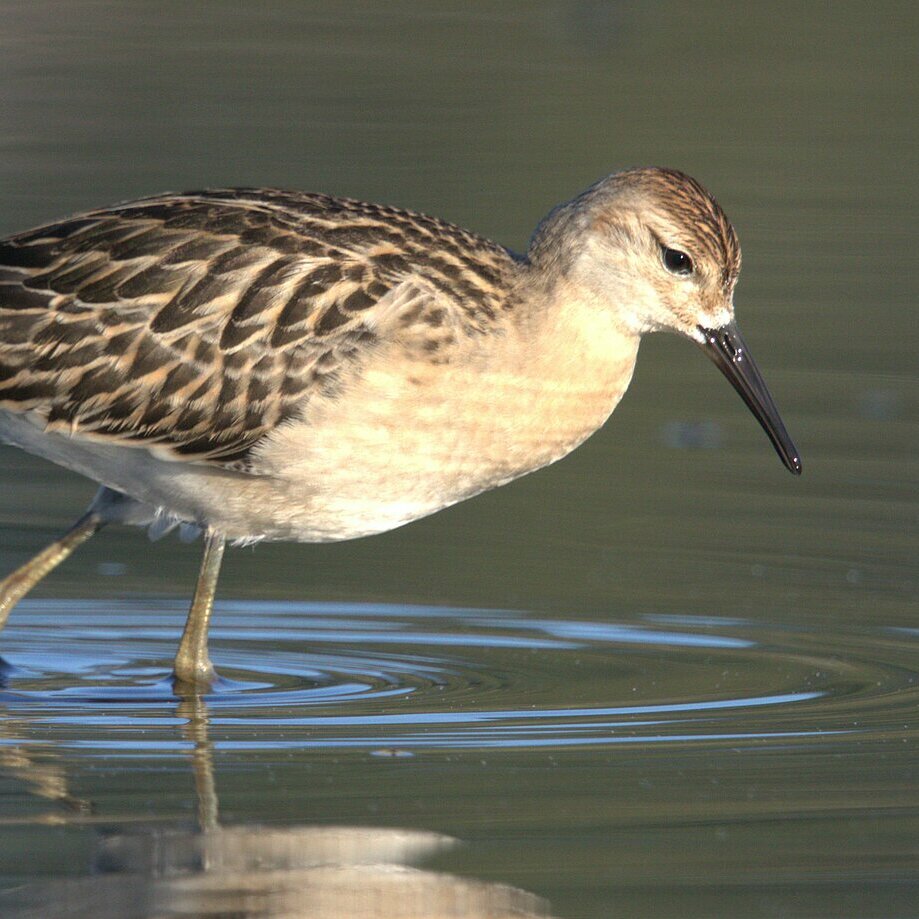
{"x": 676, "y": 262}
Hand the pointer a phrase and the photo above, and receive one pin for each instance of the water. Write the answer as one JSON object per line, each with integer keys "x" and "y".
{"x": 661, "y": 678}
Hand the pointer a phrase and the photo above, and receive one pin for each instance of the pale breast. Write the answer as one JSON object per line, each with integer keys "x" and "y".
{"x": 410, "y": 438}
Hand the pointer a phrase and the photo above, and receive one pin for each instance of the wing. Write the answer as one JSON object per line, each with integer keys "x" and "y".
{"x": 195, "y": 324}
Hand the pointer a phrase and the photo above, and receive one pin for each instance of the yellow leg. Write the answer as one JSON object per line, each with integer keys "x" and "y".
{"x": 192, "y": 665}
{"x": 16, "y": 585}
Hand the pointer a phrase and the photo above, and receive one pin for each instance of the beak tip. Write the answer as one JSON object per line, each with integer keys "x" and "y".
{"x": 726, "y": 348}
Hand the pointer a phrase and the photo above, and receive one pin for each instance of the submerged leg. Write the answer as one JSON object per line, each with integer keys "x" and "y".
{"x": 192, "y": 664}
{"x": 16, "y": 585}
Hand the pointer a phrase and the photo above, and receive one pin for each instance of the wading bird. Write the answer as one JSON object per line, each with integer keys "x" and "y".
{"x": 264, "y": 364}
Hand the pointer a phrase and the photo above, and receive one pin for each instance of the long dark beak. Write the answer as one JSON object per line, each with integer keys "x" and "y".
{"x": 726, "y": 347}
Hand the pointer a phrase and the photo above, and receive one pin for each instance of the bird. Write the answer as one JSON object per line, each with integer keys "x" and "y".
{"x": 263, "y": 364}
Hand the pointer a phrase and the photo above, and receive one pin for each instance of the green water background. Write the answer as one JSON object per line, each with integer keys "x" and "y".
{"x": 801, "y": 120}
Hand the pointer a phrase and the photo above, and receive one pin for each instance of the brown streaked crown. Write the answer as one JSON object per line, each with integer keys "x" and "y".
{"x": 674, "y": 196}
{"x": 686, "y": 199}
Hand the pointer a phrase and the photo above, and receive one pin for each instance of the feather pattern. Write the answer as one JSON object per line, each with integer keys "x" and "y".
{"x": 195, "y": 324}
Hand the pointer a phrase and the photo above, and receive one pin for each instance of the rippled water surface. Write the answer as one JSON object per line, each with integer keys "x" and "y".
{"x": 662, "y": 678}
{"x": 396, "y": 680}
{"x": 403, "y": 680}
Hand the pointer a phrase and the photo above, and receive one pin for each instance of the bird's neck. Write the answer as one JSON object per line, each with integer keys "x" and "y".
{"x": 576, "y": 356}
{"x": 578, "y": 340}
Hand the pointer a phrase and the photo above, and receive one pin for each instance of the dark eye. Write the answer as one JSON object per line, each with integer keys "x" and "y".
{"x": 676, "y": 262}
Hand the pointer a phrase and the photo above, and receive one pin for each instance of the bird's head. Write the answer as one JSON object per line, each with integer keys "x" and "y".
{"x": 655, "y": 249}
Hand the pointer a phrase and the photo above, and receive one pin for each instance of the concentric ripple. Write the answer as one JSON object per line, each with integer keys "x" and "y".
{"x": 395, "y": 680}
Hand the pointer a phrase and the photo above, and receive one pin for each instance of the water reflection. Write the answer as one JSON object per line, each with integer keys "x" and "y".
{"x": 43, "y": 776}
{"x": 465, "y": 710}
{"x": 250, "y": 871}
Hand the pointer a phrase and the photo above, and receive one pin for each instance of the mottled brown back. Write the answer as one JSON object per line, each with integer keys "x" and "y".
{"x": 199, "y": 322}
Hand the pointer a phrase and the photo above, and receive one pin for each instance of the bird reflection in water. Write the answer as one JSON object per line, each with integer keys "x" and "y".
{"x": 44, "y": 777}
{"x": 319, "y": 872}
